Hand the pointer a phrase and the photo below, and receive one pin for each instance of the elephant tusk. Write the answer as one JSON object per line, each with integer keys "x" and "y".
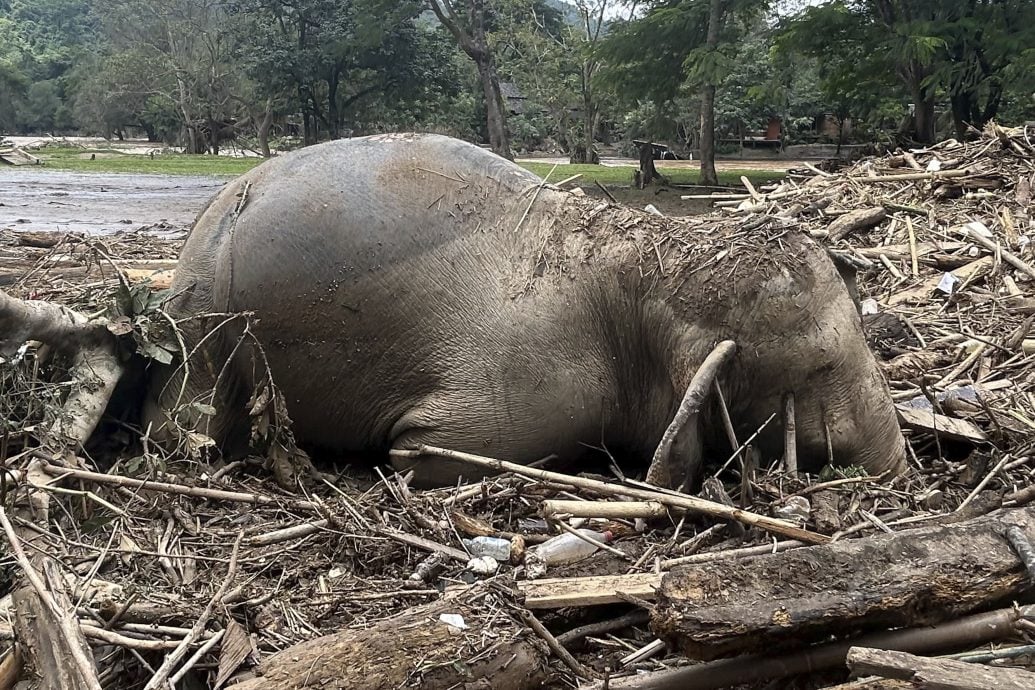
{"x": 662, "y": 467}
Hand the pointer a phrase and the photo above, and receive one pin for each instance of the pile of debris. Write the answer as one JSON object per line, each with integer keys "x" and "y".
{"x": 172, "y": 570}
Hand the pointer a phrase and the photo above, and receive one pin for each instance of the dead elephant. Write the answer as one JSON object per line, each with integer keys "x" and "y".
{"x": 415, "y": 289}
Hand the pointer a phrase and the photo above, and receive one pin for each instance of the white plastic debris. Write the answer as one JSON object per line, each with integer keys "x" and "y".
{"x": 869, "y": 307}
{"x": 797, "y": 508}
{"x": 934, "y": 166}
{"x": 947, "y": 283}
{"x": 978, "y": 228}
{"x": 453, "y": 620}
{"x": 652, "y": 209}
{"x": 483, "y": 565}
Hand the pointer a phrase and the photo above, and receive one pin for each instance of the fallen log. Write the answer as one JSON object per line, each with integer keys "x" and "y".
{"x": 414, "y": 648}
{"x": 914, "y": 577}
{"x": 936, "y": 674}
{"x": 965, "y": 633}
{"x": 862, "y": 219}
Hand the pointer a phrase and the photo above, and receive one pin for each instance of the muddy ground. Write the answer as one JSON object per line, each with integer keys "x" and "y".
{"x": 100, "y": 203}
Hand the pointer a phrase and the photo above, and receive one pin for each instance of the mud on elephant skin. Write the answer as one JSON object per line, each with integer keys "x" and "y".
{"x": 415, "y": 289}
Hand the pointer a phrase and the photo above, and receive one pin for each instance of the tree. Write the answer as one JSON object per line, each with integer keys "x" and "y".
{"x": 680, "y": 43}
{"x": 964, "y": 49}
{"x": 186, "y": 59}
{"x": 13, "y": 81}
{"x": 469, "y": 28}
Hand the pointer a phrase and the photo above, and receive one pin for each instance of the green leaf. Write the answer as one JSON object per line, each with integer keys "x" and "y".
{"x": 153, "y": 351}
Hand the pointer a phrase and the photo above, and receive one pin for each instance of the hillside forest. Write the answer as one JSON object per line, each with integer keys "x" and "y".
{"x": 518, "y": 75}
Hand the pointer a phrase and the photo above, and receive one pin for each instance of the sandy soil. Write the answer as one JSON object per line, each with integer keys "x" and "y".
{"x": 99, "y": 203}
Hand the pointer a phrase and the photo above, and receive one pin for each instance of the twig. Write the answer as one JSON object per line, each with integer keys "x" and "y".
{"x": 160, "y": 676}
{"x": 746, "y": 552}
{"x": 606, "y": 191}
{"x": 637, "y": 617}
{"x": 984, "y": 482}
{"x": 690, "y": 503}
{"x": 69, "y": 625}
{"x": 196, "y": 657}
{"x": 556, "y": 647}
{"x": 603, "y": 509}
{"x": 535, "y": 196}
{"x": 180, "y": 489}
{"x": 908, "y": 177}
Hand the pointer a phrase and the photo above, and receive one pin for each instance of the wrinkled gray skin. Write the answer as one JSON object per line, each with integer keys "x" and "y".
{"x": 415, "y": 289}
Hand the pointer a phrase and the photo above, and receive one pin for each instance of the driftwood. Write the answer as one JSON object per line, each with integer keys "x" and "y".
{"x": 965, "y": 633}
{"x": 96, "y": 367}
{"x": 853, "y": 221}
{"x": 412, "y": 649}
{"x": 913, "y": 577}
{"x": 936, "y": 674}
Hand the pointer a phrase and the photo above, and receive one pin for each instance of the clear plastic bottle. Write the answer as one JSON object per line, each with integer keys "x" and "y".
{"x": 568, "y": 548}
{"x": 493, "y": 547}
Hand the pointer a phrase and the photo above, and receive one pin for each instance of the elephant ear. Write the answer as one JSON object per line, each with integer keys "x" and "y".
{"x": 848, "y": 267}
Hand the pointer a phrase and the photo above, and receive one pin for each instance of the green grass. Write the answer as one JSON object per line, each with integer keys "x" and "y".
{"x": 108, "y": 160}
{"x": 623, "y": 175}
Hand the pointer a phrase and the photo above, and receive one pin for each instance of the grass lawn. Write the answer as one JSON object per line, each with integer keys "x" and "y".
{"x": 108, "y": 160}
{"x": 623, "y": 175}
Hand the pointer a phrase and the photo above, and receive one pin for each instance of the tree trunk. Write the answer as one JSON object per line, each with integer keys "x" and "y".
{"x": 647, "y": 172}
{"x": 263, "y": 129}
{"x": 471, "y": 39}
{"x": 911, "y": 578}
{"x": 708, "y": 174}
{"x": 333, "y": 117}
{"x": 961, "y": 114}
{"x": 923, "y": 113}
{"x": 495, "y": 110}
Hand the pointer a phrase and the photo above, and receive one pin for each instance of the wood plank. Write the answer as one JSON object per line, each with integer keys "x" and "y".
{"x": 949, "y": 427}
{"x": 558, "y": 592}
{"x": 937, "y": 674}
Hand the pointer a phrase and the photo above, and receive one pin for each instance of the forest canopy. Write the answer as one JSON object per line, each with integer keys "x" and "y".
{"x": 515, "y": 74}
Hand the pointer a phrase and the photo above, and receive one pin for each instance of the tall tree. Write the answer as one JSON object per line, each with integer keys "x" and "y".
{"x": 469, "y": 27}
{"x": 963, "y": 49}
{"x": 681, "y": 43}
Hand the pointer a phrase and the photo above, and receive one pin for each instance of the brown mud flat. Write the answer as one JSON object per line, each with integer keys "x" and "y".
{"x": 100, "y": 203}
